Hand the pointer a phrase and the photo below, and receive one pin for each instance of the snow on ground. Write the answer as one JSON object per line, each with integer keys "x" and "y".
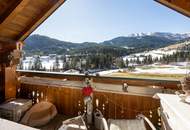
{"x": 71, "y": 71}
{"x": 48, "y": 64}
{"x": 169, "y": 50}
{"x": 173, "y": 70}
{"x": 109, "y": 71}
{"x": 154, "y": 53}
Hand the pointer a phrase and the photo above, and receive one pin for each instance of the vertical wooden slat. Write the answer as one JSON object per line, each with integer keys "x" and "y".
{"x": 119, "y": 106}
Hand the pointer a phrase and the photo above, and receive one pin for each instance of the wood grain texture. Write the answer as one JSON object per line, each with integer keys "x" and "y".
{"x": 166, "y": 84}
{"x": 2, "y": 83}
{"x": 181, "y": 6}
{"x": 69, "y": 101}
{"x": 18, "y": 18}
{"x": 10, "y": 82}
{"x": 7, "y": 6}
{"x": 7, "y": 82}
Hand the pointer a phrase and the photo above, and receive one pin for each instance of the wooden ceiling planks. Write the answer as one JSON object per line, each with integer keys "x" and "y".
{"x": 5, "y": 29}
{"x": 44, "y": 14}
{"x": 7, "y": 6}
{"x": 181, "y": 6}
{"x": 19, "y": 18}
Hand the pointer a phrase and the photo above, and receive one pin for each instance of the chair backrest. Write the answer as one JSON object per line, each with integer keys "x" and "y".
{"x": 140, "y": 116}
{"x": 105, "y": 124}
{"x": 126, "y": 124}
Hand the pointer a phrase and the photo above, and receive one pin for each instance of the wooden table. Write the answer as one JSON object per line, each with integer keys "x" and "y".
{"x": 175, "y": 113}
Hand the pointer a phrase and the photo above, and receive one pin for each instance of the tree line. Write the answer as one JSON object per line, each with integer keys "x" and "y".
{"x": 106, "y": 61}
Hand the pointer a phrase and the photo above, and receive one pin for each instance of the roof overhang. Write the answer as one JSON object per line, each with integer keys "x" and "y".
{"x": 181, "y": 6}
{"x": 19, "y": 18}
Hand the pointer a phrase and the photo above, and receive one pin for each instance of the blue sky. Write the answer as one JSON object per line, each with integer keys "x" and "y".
{"x": 100, "y": 20}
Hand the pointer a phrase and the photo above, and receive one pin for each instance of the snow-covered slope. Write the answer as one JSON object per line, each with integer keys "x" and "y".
{"x": 158, "y": 53}
{"x": 174, "y": 36}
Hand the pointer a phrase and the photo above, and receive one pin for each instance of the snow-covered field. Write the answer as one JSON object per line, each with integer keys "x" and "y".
{"x": 174, "y": 69}
{"x": 154, "y": 53}
{"x": 163, "y": 69}
{"x": 158, "y": 53}
{"x": 45, "y": 60}
{"x": 156, "y": 68}
{"x": 178, "y": 68}
{"x": 107, "y": 72}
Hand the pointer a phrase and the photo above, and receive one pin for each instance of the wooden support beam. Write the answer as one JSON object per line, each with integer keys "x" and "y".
{"x": 40, "y": 19}
{"x": 2, "y": 83}
{"x": 10, "y": 82}
{"x": 7, "y": 44}
{"x": 7, "y": 82}
{"x": 181, "y": 6}
{"x": 7, "y": 40}
{"x": 14, "y": 12}
{"x": 4, "y": 58}
{"x": 13, "y": 4}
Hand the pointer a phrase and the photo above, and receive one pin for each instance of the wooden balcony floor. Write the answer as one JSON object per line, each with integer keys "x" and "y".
{"x": 55, "y": 123}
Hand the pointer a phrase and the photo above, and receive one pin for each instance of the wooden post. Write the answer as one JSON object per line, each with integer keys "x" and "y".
{"x": 10, "y": 82}
{"x": 7, "y": 74}
{"x": 2, "y": 83}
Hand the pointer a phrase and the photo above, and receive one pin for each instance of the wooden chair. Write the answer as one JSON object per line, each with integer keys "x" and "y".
{"x": 129, "y": 124}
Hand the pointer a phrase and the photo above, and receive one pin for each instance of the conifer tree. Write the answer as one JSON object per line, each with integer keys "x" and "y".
{"x": 37, "y": 64}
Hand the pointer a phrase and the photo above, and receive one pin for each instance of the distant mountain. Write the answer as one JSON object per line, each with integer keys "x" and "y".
{"x": 168, "y": 35}
{"x": 149, "y": 41}
{"x": 173, "y": 36}
{"x": 47, "y": 45}
{"x": 43, "y": 45}
{"x": 181, "y": 46}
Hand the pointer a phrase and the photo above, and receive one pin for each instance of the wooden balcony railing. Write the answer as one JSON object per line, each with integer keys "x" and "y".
{"x": 166, "y": 84}
{"x": 113, "y": 101}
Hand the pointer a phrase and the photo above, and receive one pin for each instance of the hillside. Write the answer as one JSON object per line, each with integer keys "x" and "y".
{"x": 120, "y": 46}
{"x": 179, "y": 46}
{"x": 38, "y": 44}
{"x": 149, "y": 41}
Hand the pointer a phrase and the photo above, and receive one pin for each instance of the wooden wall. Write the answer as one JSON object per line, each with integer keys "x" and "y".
{"x": 181, "y": 6}
{"x": 117, "y": 105}
{"x": 18, "y": 19}
{"x": 10, "y": 82}
{"x": 69, "y": 101}
{"x": 7, "y": 83}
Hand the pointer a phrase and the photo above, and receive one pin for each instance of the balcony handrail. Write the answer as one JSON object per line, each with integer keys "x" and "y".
{"x": 140, "y": 82}
{"x": 91, "y": 75}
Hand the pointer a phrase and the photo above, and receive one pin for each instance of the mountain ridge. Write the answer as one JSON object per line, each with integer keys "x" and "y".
{"x": 39, "y": 44}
